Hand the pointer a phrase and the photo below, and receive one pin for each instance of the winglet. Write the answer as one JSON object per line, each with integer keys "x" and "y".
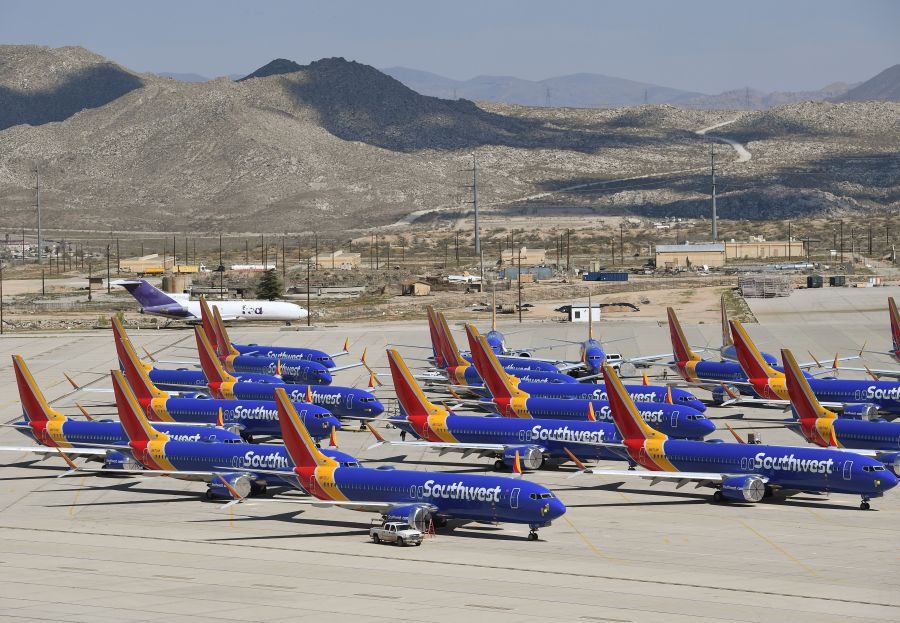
{"x": 346, "y": 348}
{"x": 592, "y": 416}
{"x": 150, "y": 355}
{"x": 646, "y": 381}
{"x": 220, "y": 419}
{"x": 71, "y": 381}
{"x": 581, "y": 466}
{"x": 734, "y": 433}
{"x": 332, "y": 438}
{"x": 626, "y": 416}
{"x": 84, "y": 412}
{"x": 278, "y": 368}
{"x": 517, "y": 465}
{"x": 309, "y": 397}
{"x": 669, "y": 395}
{"x": 378, "y": 437}
{"x": 34, "y": 405}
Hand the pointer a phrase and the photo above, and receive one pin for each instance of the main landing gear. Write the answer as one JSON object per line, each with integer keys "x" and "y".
{"x": 864, "y": 505}
{"x": 533, "y": 536}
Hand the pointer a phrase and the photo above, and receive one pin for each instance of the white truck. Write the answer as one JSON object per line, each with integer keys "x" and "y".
{"x": 397, "y": 533}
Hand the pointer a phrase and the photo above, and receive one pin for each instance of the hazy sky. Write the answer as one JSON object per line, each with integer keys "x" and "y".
{"x": 699, "y": 45}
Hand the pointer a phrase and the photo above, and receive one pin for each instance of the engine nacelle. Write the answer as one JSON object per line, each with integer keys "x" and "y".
{"x": 744, "y": 488}
{"x": 530, "y": 457}
{"x": 415, "y": 515}
{"x": 242, "y": 483}
{"x": 120, "y": 460}
{"x": 862, "y": 411}
{"x": 720, "y": 396}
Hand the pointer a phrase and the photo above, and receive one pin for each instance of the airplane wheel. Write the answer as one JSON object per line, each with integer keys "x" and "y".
{"x": 532, "y": 536}
{"x": 248, "y": 438}
{"x": 864, "y": 505}
{"x": 499, "y": 465}
{"x": 769, "y": 492}
{"x": 208, "y": 494}
{"x": 718, "y": 497}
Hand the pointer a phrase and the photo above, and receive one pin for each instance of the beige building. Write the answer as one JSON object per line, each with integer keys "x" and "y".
{"x": 690, "y": 255}
{"x": 762, "y": 249}
{"x": 416, "y": 288}
{"x": 530, "y": 257}
{"x": 337, "y": 260}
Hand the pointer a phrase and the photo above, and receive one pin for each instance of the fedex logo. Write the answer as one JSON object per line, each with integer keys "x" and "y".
{"x": 792, "y": 464}
{"x": 250, "y": 310}
{"x": 459, "y": 491}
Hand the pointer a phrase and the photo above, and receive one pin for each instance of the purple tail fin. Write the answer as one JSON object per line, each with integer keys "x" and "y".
{"x": 151, "y": 298}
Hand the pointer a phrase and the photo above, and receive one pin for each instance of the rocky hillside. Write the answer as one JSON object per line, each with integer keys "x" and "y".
{"x": 883, "y": 87}
{"x": 337, "y": 146}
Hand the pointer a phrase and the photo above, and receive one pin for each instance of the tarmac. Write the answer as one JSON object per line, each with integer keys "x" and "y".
{"x": 92, "y": 549}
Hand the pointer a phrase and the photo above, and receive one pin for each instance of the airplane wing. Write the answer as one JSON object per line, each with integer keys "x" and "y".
{"x": 359, "y": 505}
{"x": 875, "y": 373}
{"x": 443, "y": 447}
{"x": 53, "y": 451}
{"x": 682, "y": 478}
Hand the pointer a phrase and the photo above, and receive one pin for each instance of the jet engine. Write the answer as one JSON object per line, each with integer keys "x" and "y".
{"x": 743, "y": 488}
{"x": 530, "y": 457}
{"x": 242, "y": 483}
{"x": 862, "y": 411}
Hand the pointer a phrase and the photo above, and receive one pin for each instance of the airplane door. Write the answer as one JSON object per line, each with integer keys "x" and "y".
{"x": 848, "y": 470}
{"x": 674, "y": 419}
{"x": 349, "y": 401}
{"x": 514, "y": 498}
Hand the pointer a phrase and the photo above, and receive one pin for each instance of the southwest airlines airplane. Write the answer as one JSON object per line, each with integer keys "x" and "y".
{"x": 180, "y": 307}
{"x": 740, "y": 472}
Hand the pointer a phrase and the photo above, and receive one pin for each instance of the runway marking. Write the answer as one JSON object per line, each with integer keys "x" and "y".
{"x": 584, "y": 538}
{"x": 778, "y": 548}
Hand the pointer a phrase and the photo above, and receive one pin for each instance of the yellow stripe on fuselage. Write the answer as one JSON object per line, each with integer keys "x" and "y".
{"x": 656, "y": 452}
{"x": 324, "y": 476}
{"x": 54, "y": 430}
{"x": 437, "y": 422}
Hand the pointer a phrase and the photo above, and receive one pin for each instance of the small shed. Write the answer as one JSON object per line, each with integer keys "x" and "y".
{"x": 579, "y": 313}
{"x": 416, "y": 288}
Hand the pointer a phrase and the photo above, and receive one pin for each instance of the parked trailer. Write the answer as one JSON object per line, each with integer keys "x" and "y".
{"x": 605, "y": 276}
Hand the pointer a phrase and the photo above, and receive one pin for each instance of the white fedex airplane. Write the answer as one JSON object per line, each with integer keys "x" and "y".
{"x": 180, "y": 307}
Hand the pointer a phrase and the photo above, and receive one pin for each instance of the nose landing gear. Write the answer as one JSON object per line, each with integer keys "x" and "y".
{"x": 864, "y": 505}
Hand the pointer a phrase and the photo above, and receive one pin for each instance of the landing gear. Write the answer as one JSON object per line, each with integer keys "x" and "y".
{"x": 864, "y": 505}
{"x": 208, "y": 494}
{"x": 718, "y": 497}
{"x": 532, "y": 536}
{"x": 247, "y": 437}
{"x": 769, "y": 492}
{"x": 499, "y": 465}
{"x": 362, "y": 425}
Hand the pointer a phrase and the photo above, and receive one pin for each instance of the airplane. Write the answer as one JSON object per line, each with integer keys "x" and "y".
{"x": 247, "y": 418}
{"x": 342, "y": 402}
{"x": 180, "y": 307}
{"x": 460, "y": 370}
{"x": 88, "y": 438}
{"x": 290, "y": 371}
{"x": 727, "y": 351}
{"x": 419, "y": 498}
{"x": 739, "y": 472}
{"x": 855, "y": 398}
{"x": 894, "y": 353}
{"x": 513, "y": 401}
{"x": 526, "y": 443}
{"x": 218, "y": 336}
{"x": 824, "y": 428}
{"x": 231, "y": 471}
{"x": 444, "y": 346}
{"x": 485, "y": 362}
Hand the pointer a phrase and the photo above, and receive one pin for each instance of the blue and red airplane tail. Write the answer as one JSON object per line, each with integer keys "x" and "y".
{"x": 805, "y": 404}
{"x": 680, "y": 347}
{"x": 628, "y": 420}
{"x": 135, "y": 372}
{"x": 34, "y": 406}
{"x": 223, "y": 347}
{"x": 412, "y": 401}
{"x": 749, "y": 356}
{"x": 434, "y": 331}
{"x": 136, "y": 425}
{"x": 895, "y": 323}
{"x": 208, "y": 324}
{"x": 489, "y": 369}
{"x": 209, "y": 363}
{"x": 452, "y": 356}
{"x": 299, "y": 445}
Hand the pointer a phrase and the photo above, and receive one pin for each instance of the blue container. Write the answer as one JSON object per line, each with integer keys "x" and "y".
{"x": 605, "y": 276}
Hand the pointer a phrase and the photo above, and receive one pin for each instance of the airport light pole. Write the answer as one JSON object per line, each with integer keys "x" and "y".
{"x": 1, "y": 297}
{"x": 712, "y": 160}
{"x": 308, "y": 297}
{"x": 108, "y": 285}
{"x": 519, "y": 280}
{"x": 37, "y": 172}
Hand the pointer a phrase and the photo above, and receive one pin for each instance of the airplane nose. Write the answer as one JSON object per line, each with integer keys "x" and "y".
{"x": 699, "y": 406}
{"x": 886, "y": 480}
{"x": 377, "y": 408}
{"x": 324, "y": 378}
{"x": 706, "y": 427}
{"x": 334, "y": 423}
{"x": 557, "y": 509}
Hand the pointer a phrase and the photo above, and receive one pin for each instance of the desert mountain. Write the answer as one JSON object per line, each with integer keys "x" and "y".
{"x": 338, "y": 145}
{"x": 883, "y": 87}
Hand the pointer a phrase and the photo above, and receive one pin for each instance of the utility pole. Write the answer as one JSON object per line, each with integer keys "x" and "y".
{"x": 478, "y": 252}
{"x": 1, "y": 297}
{"x": 622, "y": 243}
{"x": 568, "y": 251}
{"x": 519, "y": 279}
{"x": 789, "y": 242}
{"x": 37, "y": 197}
{"x": 118, "y": 260}
{"x": 108, "y": 285}
{"x": 842, "y": 241}
{"x": 283, "y": 263}
{"x": 308, "y": 299}
{"x": 712, "y": 161}
{"x": 221, "y": 269}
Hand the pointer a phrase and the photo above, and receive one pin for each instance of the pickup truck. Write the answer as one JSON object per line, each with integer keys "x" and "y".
{"x": 397, "y": 533}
